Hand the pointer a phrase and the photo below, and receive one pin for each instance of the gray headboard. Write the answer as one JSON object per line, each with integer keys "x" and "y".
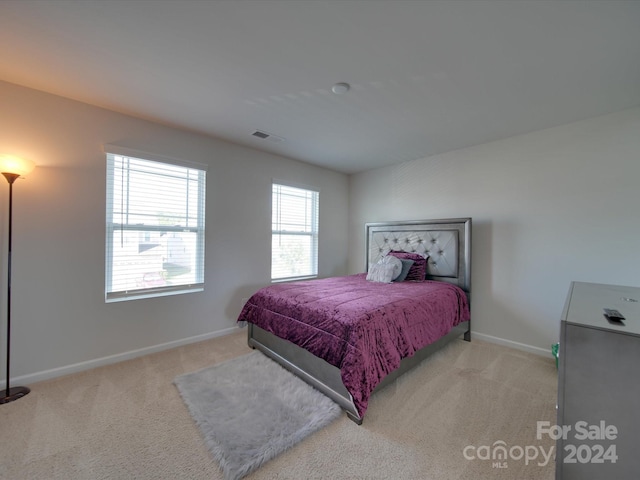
{"x": 447, "y": 242}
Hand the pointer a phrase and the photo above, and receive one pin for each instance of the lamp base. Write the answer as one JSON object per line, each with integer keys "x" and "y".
{"x": 14, "y": 394}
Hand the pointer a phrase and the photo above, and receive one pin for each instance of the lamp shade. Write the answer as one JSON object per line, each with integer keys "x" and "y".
{"x": 16, "y": 165}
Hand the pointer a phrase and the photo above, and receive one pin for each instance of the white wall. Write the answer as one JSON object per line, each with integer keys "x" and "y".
{"x": 548, "y": 207}
{"x": 541, "y": 204}
{"x": 59, "y": 316}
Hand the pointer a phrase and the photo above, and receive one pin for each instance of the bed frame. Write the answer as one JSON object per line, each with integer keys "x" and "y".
{"x": 448, "y": 244}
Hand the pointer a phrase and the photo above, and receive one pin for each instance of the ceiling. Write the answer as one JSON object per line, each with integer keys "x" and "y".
{"x": 426, "y": 76}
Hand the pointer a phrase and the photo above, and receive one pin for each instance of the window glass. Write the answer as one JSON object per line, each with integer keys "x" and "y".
{"x": 155, "y": 228}
{"x": 294, "y": 242}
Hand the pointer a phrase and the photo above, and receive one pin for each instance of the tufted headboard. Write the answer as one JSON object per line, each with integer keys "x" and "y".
{"x": 447, "y": 242}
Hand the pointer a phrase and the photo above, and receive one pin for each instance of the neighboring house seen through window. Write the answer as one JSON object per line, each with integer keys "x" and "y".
{"x": 294, "y": 239}
{"x": 155, "y": 226}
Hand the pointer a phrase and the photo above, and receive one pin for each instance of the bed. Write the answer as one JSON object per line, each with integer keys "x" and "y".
{"x": 348, "y": 336}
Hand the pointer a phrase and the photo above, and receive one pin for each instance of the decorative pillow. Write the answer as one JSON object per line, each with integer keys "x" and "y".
{"x": 418, "y": 271}
{"x": 406, "y": 265}
{"x": 380, "y": 272}
{"x": 396, "y": 262}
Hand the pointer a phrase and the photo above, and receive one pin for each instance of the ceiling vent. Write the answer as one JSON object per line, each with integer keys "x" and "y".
{"x": 267, "y": 136}
{"x": 260, "y": 134}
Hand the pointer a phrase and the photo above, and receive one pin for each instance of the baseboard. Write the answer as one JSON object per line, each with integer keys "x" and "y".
{"x": 509, "y": 343}
{"x": 100, "y": 362}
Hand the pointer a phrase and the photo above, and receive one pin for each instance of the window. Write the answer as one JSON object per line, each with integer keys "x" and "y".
{"x": 155, "y": 226}
{"x": 294, "y": 232}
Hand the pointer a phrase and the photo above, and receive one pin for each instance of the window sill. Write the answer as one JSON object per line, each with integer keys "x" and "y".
{"x": 293, "y": 279}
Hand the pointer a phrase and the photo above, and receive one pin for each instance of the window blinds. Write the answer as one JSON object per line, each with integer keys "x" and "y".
{"x": 155, "y": 227}
{"x": 294, "y": 242}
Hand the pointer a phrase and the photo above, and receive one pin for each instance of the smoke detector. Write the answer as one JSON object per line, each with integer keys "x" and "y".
{"x": 340, "y": 88}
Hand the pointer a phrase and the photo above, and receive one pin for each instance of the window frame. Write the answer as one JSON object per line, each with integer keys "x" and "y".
{"x": 111, "y": 227}
{"x": 314, "y": 233}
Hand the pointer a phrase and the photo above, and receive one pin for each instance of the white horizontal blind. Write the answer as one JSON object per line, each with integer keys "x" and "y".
{"x": 294, "y": 239}
{"x": 155, "y": 228}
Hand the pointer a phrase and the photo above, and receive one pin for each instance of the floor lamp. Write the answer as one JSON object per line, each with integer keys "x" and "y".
{"x": 12, "y": 168}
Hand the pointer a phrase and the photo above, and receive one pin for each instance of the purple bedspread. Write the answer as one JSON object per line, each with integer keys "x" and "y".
{"x": 363, "y": 328}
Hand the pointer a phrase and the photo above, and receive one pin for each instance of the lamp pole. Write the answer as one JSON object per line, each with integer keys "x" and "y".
{"x": 14, "y": 393}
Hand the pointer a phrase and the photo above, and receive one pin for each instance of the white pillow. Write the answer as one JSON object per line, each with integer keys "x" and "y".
{"x": 381, "y": 272}
{"x": 395, "y": 261}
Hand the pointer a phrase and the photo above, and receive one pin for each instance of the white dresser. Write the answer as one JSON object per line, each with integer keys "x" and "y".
{"x": 599, "y": 385}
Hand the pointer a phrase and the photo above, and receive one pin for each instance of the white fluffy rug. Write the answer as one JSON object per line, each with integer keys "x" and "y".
{"x": 250, "y": 409}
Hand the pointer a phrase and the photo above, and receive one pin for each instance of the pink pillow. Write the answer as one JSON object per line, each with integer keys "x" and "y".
{"x": 418, "y": 271}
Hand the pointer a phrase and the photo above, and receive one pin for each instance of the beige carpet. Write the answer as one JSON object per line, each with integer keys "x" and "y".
{"x": 127, "y": 421}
